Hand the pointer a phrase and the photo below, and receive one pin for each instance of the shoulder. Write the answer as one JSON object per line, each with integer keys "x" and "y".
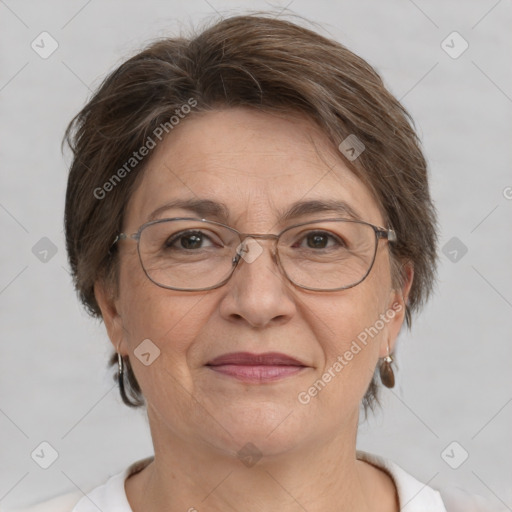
{"x": 62, "y": 503}
{"x": 459, "y": 500}
{"x": 108, "y": 496}
{"x": 415, "y": 496}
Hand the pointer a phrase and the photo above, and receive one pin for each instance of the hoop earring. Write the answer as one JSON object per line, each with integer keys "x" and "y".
{"x": 120, "y": 375}
{"x": 120, "y": 366}
{"x": 387, "y": 375}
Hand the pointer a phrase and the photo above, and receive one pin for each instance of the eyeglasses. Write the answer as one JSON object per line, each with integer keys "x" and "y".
{"x": 191, "y": 254}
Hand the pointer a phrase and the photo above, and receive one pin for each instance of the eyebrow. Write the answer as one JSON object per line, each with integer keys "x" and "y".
{"x": 214, "y": 210}
{"x": 205, "y": 208}
{"x": 301, "y": 208}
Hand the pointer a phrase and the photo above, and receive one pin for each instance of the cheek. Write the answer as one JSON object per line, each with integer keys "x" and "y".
{"x": 351, "y": 333}
{"x": 354, "y": 312}
{"x": 349, "y": 341}
{"x": 170, "y": 320}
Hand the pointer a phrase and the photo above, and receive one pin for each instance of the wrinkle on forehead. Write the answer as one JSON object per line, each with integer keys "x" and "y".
{"x": 253, "y": 161}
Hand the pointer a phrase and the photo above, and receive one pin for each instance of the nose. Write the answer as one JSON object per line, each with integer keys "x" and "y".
{"x": 258, "y": 293}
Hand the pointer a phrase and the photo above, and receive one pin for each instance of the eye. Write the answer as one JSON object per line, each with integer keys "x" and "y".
{"x": 320, "y": 240}
{"x": 188, "y": 240}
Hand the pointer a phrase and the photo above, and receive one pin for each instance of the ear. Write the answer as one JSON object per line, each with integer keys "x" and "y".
{"x": 395, "y": 312}
{"x": 105, "y": 297}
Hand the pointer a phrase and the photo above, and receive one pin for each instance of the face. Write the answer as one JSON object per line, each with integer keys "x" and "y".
{"x": 257, "y": 165}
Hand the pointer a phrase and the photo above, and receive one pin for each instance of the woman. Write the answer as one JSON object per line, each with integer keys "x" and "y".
{"x": 248, "y": 211}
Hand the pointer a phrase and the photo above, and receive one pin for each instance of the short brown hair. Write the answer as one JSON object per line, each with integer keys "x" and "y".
{"x": 259, "y": 62}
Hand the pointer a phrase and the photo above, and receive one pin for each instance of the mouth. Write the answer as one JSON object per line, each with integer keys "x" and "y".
{"x": 256, "y": 368}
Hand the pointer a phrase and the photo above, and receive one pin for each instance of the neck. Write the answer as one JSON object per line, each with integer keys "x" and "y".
{"x": 187, "y": 476}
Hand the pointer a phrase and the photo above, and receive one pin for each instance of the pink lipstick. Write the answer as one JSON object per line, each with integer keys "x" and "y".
{"x": 256, "y": 368}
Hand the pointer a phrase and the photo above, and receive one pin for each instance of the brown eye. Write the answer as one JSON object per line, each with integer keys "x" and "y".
{"x": 321, "y": 240}
{"x": 189, "y": 240}
{"x": 317, "y": 241}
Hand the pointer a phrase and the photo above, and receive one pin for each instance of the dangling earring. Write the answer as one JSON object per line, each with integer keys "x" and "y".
{"x": 120, "y": 373}
{"x": 387, "y": 376}
{"x": 120, "y": 365}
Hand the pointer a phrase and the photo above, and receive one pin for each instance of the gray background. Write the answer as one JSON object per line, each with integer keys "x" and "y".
{"x": 454, "y": 381}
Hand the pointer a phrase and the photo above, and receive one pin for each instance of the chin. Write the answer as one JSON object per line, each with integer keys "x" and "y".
{"x": 266, "y": 429}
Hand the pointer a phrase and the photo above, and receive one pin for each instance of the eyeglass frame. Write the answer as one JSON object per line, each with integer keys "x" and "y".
{"x": 380, "y": 234}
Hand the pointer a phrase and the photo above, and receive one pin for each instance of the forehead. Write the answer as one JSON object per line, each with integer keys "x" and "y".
{"x": 255, "y": 165}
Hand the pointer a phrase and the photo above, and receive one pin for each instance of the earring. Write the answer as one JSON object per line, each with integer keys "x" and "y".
{"x": 387, "y": 376}
{"x": 120, "y": 373}
{"x": 120, "y": 365}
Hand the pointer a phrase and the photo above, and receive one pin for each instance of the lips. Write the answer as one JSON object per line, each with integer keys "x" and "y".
{"x": 249, "y": 359}
{"x": 256, "y": 368}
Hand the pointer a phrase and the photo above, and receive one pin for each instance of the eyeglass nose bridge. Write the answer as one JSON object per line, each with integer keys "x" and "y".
{"x": 249, "y": 258}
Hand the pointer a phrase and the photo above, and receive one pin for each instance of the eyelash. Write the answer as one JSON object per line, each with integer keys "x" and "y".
{"x": 170, "y": 242}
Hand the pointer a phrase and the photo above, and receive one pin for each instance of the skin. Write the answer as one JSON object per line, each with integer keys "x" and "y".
{"x": 257, "y": 164}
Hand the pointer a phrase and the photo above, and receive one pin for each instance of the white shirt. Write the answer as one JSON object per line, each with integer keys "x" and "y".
{"x": 413, "y": 496}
